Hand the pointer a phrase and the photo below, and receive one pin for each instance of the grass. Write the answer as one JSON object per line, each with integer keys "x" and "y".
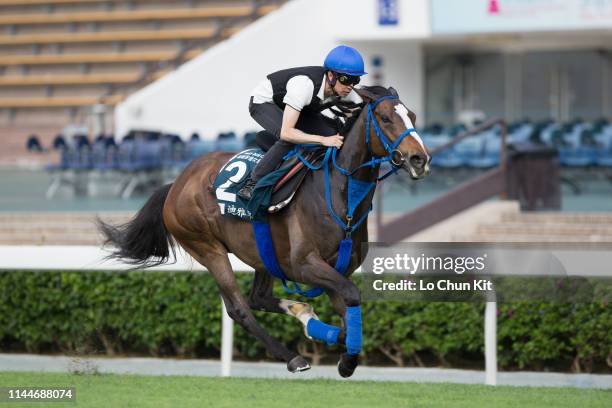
{"x": 144, "y": 391}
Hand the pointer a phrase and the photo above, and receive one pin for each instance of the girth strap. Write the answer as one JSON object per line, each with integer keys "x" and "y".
{"x": 265, "y": 247}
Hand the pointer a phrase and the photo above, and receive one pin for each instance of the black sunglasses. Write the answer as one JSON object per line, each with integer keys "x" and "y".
{"x": 348, "y": 79}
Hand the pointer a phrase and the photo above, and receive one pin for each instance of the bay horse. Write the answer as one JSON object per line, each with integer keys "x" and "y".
{"x": 305, "y": 235}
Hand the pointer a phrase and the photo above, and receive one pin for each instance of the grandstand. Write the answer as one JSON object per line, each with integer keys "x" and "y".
{"x": 62, "y": 58}
{"x": 59, "y": 58}
{"x": 581, "y": 144}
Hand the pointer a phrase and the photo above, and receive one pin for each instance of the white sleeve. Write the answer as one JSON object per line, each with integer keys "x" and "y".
{"x": 353, "y": 97}
{"x": 299, "y": 92}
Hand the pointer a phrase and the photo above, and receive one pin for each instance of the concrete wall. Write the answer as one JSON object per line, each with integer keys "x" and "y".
{"x": 402, "y": 68}
{"x": 358, "y": 20}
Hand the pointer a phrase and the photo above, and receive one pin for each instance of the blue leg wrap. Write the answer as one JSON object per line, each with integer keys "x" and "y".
{"x": 353, "y": 330}
{"x": 322, "y": 332}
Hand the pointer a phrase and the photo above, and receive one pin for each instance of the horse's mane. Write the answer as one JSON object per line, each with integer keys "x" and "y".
{"x": 377, "y": 91}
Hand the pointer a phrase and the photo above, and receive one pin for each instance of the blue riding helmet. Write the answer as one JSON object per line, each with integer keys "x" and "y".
{"x": 345, "y": 60}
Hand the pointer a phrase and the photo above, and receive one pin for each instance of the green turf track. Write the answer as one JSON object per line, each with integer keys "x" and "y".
{"x": 144, "y": 391}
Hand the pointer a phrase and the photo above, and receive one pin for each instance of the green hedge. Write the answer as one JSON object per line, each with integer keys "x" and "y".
{"x": 157, "y": 314}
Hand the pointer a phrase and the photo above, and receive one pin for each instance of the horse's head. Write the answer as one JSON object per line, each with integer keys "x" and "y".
{"x": 390, "y": 131}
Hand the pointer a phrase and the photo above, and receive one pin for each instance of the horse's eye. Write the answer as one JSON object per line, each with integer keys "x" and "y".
{"x": 385, "y": 119}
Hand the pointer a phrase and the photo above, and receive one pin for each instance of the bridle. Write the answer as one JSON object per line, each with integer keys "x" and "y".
{"x": 357, "y": 190}
{"x": 394, "y": 155}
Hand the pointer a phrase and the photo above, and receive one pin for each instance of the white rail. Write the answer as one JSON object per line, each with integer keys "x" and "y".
{"x": 227, "y": 342}
{"x": 490, "y": 340}
{"x": 88, "y": 258}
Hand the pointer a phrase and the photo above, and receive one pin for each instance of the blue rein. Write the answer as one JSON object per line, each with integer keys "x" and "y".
{"x": 357, "y": 192}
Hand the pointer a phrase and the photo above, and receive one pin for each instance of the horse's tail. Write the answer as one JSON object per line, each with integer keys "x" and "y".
{"x": 143, "y": 241}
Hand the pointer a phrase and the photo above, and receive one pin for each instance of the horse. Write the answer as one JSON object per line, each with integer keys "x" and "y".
{"x": 306, "y": 236}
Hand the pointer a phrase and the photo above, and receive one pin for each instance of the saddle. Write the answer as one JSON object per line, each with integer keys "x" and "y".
{"x": 284, "y": 189}
{"x": 279, "y": 188}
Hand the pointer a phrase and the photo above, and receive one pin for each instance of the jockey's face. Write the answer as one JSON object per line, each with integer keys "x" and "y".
{"x": 339, "y": 88}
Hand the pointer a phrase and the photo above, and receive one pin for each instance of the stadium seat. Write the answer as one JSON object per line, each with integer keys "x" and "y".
{"x": 446, "y": 158}
{"x": 132, "y": 15}
{"x": 490, "y": 154}
{"x": 59, "y": 142}
{"x": 34, "y": 145}
{"x": 249, "y": 140}
{"x": 93, "y": 58}
{"x": 104, "y": 153}
{"x": 228, "y": 142}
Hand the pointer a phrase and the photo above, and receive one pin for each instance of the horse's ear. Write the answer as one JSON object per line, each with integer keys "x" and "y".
{"x": 392, "y": 91}
{"x": 366, "y": 94}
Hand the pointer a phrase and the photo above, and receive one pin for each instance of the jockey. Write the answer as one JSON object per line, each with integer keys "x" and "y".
{"x": 293, "y": 105}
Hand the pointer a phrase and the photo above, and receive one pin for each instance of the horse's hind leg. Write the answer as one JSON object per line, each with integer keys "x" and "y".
{"x": 261, "y": 298}
{"x": 238, "y": 308}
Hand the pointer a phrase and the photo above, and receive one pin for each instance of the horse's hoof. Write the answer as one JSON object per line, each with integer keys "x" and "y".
{"x": 347, "y": 364}
{"x": 297, "y": 364}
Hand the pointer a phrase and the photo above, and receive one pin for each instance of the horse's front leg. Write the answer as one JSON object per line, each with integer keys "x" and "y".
{"x": 315, "y": 271}
{"x": 261, "y": 298}
{"x": 339, "y": 307}
{"x": 218, "y": 263}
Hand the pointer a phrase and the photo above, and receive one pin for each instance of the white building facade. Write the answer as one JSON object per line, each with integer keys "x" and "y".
{"x": 507, "y": 58}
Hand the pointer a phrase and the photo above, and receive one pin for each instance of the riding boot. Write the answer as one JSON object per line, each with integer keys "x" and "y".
{"x": 271, "y": 160}
{"x": 247, "y": 190}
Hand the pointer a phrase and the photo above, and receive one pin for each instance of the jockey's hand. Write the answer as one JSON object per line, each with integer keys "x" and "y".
{"x": 333, "y": 141}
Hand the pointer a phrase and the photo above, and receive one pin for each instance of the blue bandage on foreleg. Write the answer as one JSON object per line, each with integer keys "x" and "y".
{"x": 353, "y": 329}
{"x": 322, "y": 332}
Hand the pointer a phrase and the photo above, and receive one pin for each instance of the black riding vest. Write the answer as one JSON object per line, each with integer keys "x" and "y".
{"x": 279, "y": 81}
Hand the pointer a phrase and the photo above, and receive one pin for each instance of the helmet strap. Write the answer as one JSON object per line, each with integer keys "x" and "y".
{"x": 332, "y": 82}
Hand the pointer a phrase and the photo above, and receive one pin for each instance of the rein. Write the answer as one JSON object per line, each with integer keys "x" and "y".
{"x": 357, "y": 190}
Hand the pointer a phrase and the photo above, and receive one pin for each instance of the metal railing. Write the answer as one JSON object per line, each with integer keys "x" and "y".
{"x": 468, "y": 194}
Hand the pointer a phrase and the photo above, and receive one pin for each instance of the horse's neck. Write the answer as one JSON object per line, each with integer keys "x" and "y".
{"x": 355, "y": 152}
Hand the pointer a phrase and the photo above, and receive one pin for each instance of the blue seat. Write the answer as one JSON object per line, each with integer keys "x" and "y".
{"x": 520, "y": 133}
{"x": 581, "y": 148}
{"x": 146, "y": 156}
{"x": 33, "y": 144}
{"x": 577, "y": 157}
{"x": 228, "y": 142}
{"x": 190, "y": 151}
{"x": 446, "y": 158}
{"x": 469, "y": 150}
{"x": 125, "y": 153}
{"x": 104, "y": 154}
{"x": 603, "y": 157}
{"x": 82, "y": 158}
{"x": 490, "y": 155}
{"x": 59, "y": 142}
{"x": 249, "y": 140}
{"x": 64, "y": 163}
{"x": 198, "y": 148}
